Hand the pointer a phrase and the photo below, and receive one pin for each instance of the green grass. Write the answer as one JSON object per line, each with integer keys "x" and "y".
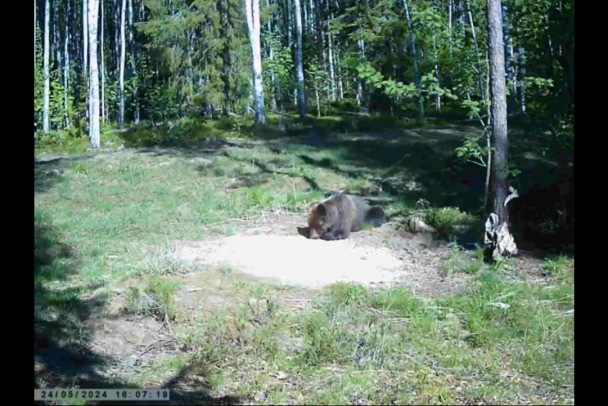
{"x": 156, "y": 298}
{"x": 383, "y": 346}
{"x": 109, "y": 222}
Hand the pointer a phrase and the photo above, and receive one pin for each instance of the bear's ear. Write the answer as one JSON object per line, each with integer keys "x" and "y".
{"x": 321, "y": 209}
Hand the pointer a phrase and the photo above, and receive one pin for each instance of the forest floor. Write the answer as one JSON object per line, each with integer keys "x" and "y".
{"x": 180, "y": 267}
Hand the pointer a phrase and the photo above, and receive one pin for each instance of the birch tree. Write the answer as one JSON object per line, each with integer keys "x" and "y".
{"x": 299, "y": 65}
{"x": 94, "y": 127}
{"x": 121, "y": 95}
{"x": 133, "y": 61}
{"x": 66, "y": 65}
{"x": 253, "y": 24}
{"x": 103, "y": 67}
{"x": 85, "y": 40}
{"x": 477, "y": 53}
{"x": 522, "y": 67}
{"x": 413, "y": 44}
{"x": 85, "y": 55}
{"x": 46, "y": 123}
{"x": 332, "y": 74}
{"x": 510, "y": 71}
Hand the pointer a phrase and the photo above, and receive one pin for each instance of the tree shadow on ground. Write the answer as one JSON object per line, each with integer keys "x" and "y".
{"x": 47, "y": 172}
{"x": 188, "y": 138}
{"x": 413, "y": 166}
{"x": 64, "y": 354}
{"x": 61, "y": 344}
{"x": 408, "y": 171}
{"x": 410, "y": 162}
{"x": 254, "y": 179}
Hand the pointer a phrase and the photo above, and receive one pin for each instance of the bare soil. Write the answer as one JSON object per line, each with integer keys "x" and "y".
{"x": 273, "y": 251}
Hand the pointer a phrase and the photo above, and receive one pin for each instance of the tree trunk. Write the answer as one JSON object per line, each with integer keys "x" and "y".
{"x": 273, "y": 79}
{"x": 121, "y": 91}
{"x": 56, "y": 36}
{"x": 94, "y": 129}
{"x": 498, "y": 239}
{"x": 253, "y": 23}
{"x": 224, "y": 9}
{"x": 318, "y": 101}
{"x": 304, "y": 23}
{"x": 522, "y": 67}
{"x": 438, "y": 98}
{"x": 332, "y": 75}
{"x": 191, "y": 40}
{"x": 450, "y": 10}
{"x": 413, "y": 44}
{"x": 480, "y": 72}
{"x": 133, "y": 62}
{"x": 510, "y": 71}
{"x": 46, "y": 124}
{"x": 85, "y": 57}
{"x": 117, "y": 33}
{"x": 361, "y": 43}
{"x": 340, "y": 80}
{"x": 462, "y": 17}
{"x": 499, "y": 107}
{"x": 103, "y": 68}
{"x": 66, "y": 65}
{"x": 85, "y": 39}
{"x": 299, "y": 62}
{"x": 312, "y": 20}
{"x": 289, "y": 24}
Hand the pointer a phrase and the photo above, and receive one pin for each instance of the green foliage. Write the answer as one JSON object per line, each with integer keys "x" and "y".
{"x": 279, "y": 70}
{"x": 446, "y": 219}
{"x": 472, "y": 151}
{"x": 193, "y": 58}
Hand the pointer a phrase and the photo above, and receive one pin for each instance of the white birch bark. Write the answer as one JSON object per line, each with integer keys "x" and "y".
{"x": 66, "y": 65}
{"x": 450, "y": 8}
{"x": 94, "y": 127}
{"x": 85, "y": 56}
{"x": 413, "y": 44}
{"x": 438, "y": 99}
{"x": 85, "y": 39}
{"x": 121, "y": 80}
{"x": 332, "y": 74}
{"x": 470, "y": 14}
{"x": 299, "y": 64}
{"x": 103, "y": 67}
{"x": 361, "y": 44}
{"x": 46, "y": 124}
{"x": 133, "y": 65}
{"x": 253, "y": 24}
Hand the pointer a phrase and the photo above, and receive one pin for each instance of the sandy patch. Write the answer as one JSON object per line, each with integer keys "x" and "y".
{"x": 296, "y": 260}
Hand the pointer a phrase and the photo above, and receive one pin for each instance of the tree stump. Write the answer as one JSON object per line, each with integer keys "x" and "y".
{"x": 498, "y": 240}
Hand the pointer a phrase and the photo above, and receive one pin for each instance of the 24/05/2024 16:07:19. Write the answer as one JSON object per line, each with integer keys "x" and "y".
{"x": 102, "y": 394}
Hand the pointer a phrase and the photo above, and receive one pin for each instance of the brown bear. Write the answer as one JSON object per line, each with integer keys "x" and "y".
{"x": 338, "y": 215}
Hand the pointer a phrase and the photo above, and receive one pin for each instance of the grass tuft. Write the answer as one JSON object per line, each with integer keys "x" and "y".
{"x": 156, "y": 298}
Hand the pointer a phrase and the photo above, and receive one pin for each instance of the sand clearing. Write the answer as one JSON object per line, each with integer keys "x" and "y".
{"x": 298, "y": 261}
